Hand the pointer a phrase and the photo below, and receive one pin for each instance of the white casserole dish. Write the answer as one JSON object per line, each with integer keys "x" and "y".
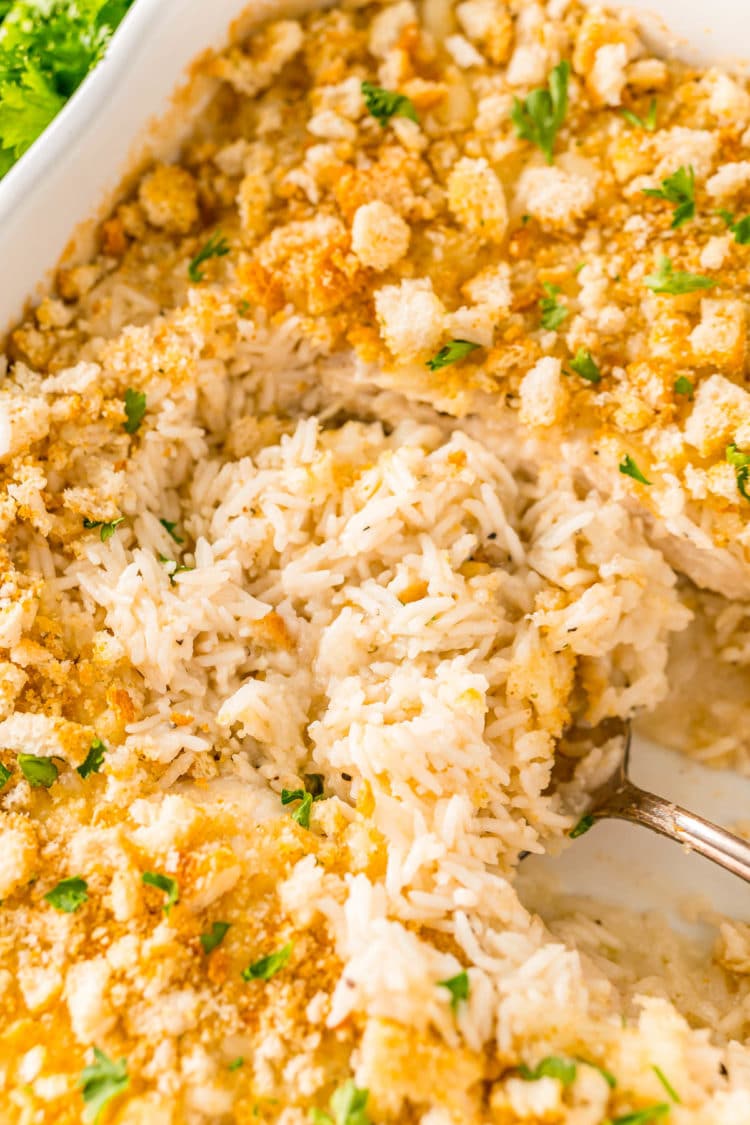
{"x": 69, "y": 176}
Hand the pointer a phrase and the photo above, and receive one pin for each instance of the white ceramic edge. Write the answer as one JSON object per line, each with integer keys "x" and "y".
{"x": 64, "y": 179}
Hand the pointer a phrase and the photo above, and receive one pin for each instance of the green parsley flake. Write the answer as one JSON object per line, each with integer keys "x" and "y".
{"x": 5, "y": 775}
{"x": 553, "y": 313}
{"x": 608, "y": 1077}
{"x": 302, "y": 813}
{"x": 94, "y": 759}
{"x": 107, "y": 527}
{"x": 740, "y": 229}
{"x": 235, "y": 1064}
{"x": 741, "y": 462}
{"x": 216, "y": 247}
{"x": 551, "y": 1067}
{"x": 269, "y": 966}
{"x": 648, "y": 122}
{"x": 582, "y": 827}
{"x": 458, "y": 987}
{"x": 41, "y": 773}
{"x": 163, "y": 883}
{"x": 679, "y": 188}
{"x": 348, "y": 1107}
{"x": 667, "y": 1085}
{"x": 629, "y": 468}
{"x": 215, "y": 936}
{"x": 100, "y": 1082}
{"x": 539, "y": 117}
{"x": 169, "y": 527}
{"x": 69, "y": 895}
{"x": 451, "y": 353}
{"x": 385, "y": 104}
{"x": 583, "y": 364}
{"x": 135, "y": 408}
{"x": 683, "y": 386}
{"x": 669, "y": 280}
{"x": 643, "y": 1116}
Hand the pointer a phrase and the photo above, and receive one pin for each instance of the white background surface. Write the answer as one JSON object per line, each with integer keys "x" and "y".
{"x": 64, "y": 179}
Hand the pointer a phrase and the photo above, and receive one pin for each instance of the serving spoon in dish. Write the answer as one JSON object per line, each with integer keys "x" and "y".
{"x": 616, "y": 797}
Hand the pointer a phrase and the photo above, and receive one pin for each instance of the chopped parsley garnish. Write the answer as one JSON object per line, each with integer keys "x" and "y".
{"x": 41, "y": 773}
{"x": 235, "y": 1064}
{"x": 643, "y": 1116}
{"x": 302, "y": 813}
{"x": 269, "y": 966}
{"x": 173, "y": 568}
{"x": 582, "y": 827}
{"x": 101, "y": 1081}
{"x": 629, "y": 468}
{"x": 669, "y": 280}
{"x": 107, "y": 528}
{"x": 683, "y": 386}
{"x": 583, "y": 364}
{"x": 348, "y": 1106}
{"x": 5, "y": 775}
{"x": 539, "y": 116}
{"x": 451, "y": 353}
{"x": 243, "y": 307}
{"x": 648, "y": 122}
{"x": 94, "y": 759}
{"x": 550, "y": 1067}
{"x": 667, "y": 1085}
{"x": 385, "y": 104}
{"x": 740, "y": 229}
{"x": 215, "y": 936}
{"x": 741, "y": 462}
{"x": 608, "y": 1077}
{"x": 46, "y": 51}
{"x": 68, "y": 895}
{"x": 216, "y": 247}
{"x": 553, "y": 313}
{"x": 679, "y": 188}
{"x": 169, "y": 527}
{"x": 163, "y": 883}
{"x": 135, "y": 408}
{"x": 458, "y": 987}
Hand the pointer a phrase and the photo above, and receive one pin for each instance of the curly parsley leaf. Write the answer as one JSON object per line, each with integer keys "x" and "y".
{"x": 107, "y": 528}
{"x": 41, "y": 773}
{"x": 348, "y": 1107}
{"x": 648, "y": 122}
{"x": 169, "y": 526}
{"x": 458, "y": 987}
{"x": 269, "y": 966}
{"x": 679, "y": 188}
{"x": 583, "y": 364}
{"x": 94, "y": 759}
{"x": 629, "y": 468}
{"x": 215, "y": 936}
{"x": 676, "y": 282}
{"x": 216, "y": 247}
{"x": 101, "y": 1081}
{"x": 553, "y": 313}
{"x": 163, "y": 883}
{"x": 451, "y": 353}
{"x": 385, "y": 104}
{"x": 69, "y": 895}
{"x": 27, "y": 106}
{"x": 135, "y": 409}
{"x": 552, "y": 1066}
{"x": 683, "y": 386}
{"x": 539, "y": 116}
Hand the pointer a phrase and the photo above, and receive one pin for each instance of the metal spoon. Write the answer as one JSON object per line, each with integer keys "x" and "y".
{"x": 617, "y": 797}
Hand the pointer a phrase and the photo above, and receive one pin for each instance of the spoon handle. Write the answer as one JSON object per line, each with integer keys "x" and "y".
{"x": 696, "y": 834}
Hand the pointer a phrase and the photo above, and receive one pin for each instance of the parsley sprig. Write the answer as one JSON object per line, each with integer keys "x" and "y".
{"x": 553, "y": 313}
{"x": 216, "y": 247}
{"x": 451, "y": 353}
{"x": 41, "y": 773}
{"x": 539, "y": 116}
{"x": 648, "y": 122}
{"x": 676, "y": 282}
{"x": 163, "y": 883}
{"x": 101, "y": 1081}
{"x": 629, "y": 468}
{"x": 385, "y": 104}
{"x": 584, "y": 365}
{"x": 458, "y": 986}
{"x": 267, "y": 967}
{"x": 213, "y": 938}
{"x": 94, "y": 759}
{"x": 107, "y": 528}
{"x": 740, "y": 228}
{"x": 69, "y": 895}
{"x": 679, "y": 188}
